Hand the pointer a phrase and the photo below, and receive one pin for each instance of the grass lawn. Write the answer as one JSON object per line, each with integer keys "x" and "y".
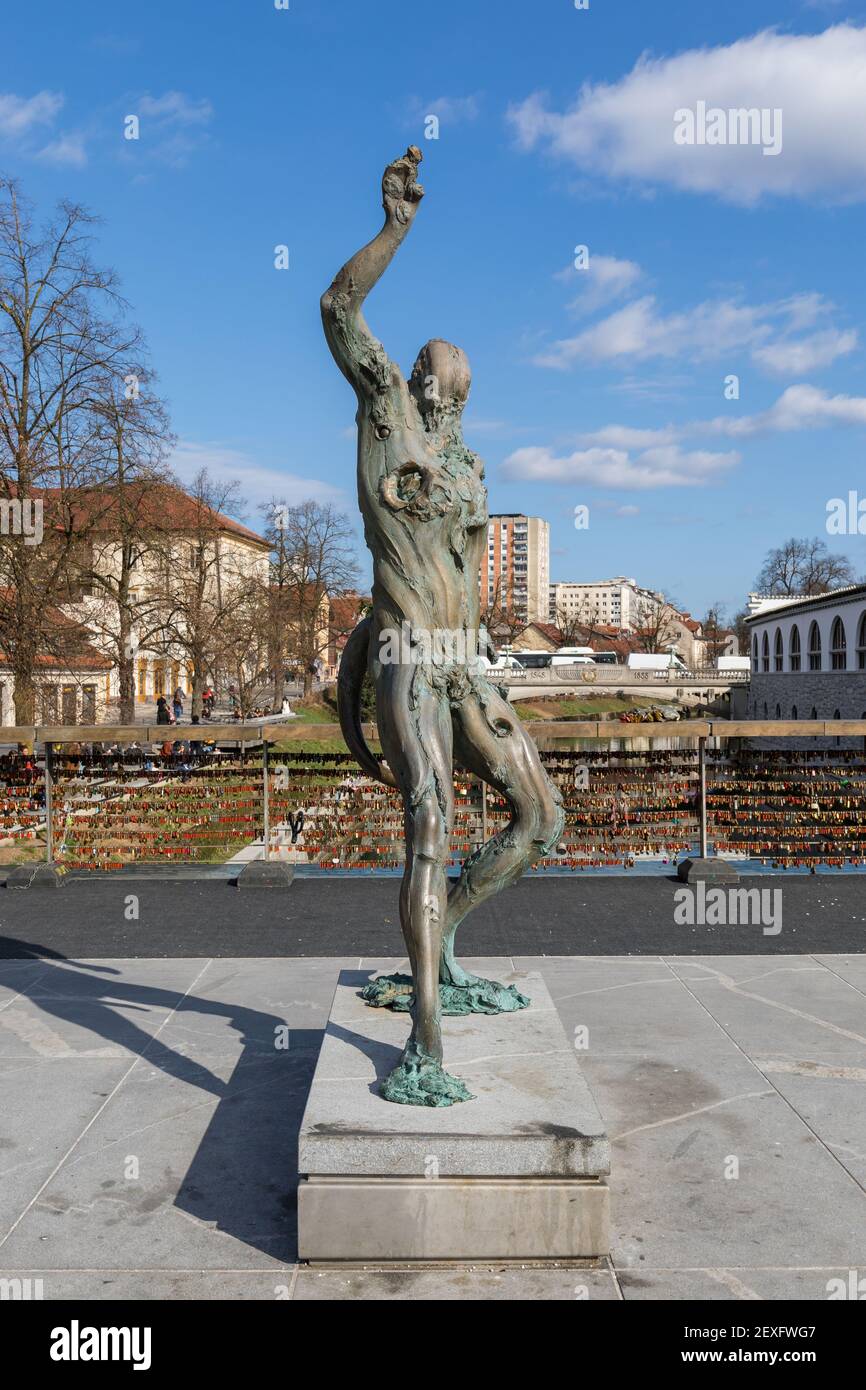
{"x": 572, "y": 708}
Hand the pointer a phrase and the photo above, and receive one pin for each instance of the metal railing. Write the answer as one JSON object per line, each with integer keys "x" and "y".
{"x": 604, "y": 675}
{"x": 105, "y": 796}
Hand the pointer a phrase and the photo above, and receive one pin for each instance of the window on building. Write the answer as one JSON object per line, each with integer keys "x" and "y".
{"x": 794, "y": 714}
{"x": 778, "y": 711}
{"x": 838, "y": 646}
{"x": 755, "y": 652}
{"x": 778, "y": 652}
{"x": 861, "y": 643}
{"x": 765, "y": 653}
{"x": 814, "y": 714}
{"x": 814, "y": 647}
{"x": 794, "y": 648}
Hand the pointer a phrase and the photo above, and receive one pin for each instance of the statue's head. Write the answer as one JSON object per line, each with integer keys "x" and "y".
{"x": 440, "y": 382}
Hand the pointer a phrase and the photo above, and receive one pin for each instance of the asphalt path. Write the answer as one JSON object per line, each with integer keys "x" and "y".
{"x": 566, "y": 915}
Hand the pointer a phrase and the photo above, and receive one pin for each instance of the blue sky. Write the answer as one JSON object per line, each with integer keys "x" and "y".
{"x": 601, "y": 387}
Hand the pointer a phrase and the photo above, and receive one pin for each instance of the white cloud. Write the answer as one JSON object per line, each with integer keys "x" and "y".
{"x": 605, "y": 278}
{"x": 19, "y": 115}
{"x": 661, "y": 466}
{"x": 259, "y": 482}
{"x": 625, "y": 437}
{"x": 175, "y": 108}
{"x": 624, "y": 130}
{"x": 799, "y": 407}
{"x": 450, "y": 110}
{"x": 67, "y": 151}
{"x": 640, "y": 332}
{"x": 806, "y": 354}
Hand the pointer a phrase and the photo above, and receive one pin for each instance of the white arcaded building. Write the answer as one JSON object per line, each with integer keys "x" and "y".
{"x": 808, "y": 655}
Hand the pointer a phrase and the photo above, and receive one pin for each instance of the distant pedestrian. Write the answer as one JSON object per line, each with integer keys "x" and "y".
{"x": 177, "y": 704}
{"x": 163, "y": 715}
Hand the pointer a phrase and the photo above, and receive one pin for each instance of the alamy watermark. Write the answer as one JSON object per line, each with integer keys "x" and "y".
{"x": 846, "y": 516}
{"x": 729, "y": 907}
{"x": 738, "y": 125}
{"x": 22, "y": 516}
{"x": 438, "y": 646}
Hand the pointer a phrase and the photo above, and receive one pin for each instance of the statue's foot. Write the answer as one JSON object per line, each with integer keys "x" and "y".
{"x": 420, "y": 1080}
{"x": 476, "y": 996}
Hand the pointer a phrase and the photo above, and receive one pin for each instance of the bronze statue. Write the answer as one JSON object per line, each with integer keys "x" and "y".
{"x": 424, "y": 504}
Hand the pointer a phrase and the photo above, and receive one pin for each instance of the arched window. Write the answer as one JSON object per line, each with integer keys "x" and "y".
{"x": 861, "y": 643}
{"x": 794, "y": 714}
{"x": 814, "y": 714}
{"x": 778, "y": 652}
{"x": 755, "y": 652}
{"x": 765, "y": 653}
{"x": 778, "y": 711}
{"x": 814, "y": 647}
{"x": 766, "y": 710}
{"x": 794, "y": 649}
{"x": 838, "y": 646}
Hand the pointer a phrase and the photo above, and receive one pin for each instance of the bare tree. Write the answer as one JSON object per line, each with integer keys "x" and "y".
{"x": 803, "y": 567}
{"x": 59, "y": 333}
{"x": 502, "y": 620}
{"x": 580, "y": 626}
{"x": 197, "y": 590}
{"x": 744, "y": 636}
{"x": 313, "y": 556}
{"x": 656, "y": 627}
{"x": 126, "y": 523}
{"x": 716, "y": 635}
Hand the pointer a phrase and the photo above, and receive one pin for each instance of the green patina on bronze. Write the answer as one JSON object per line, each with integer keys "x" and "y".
{"x": 422, "y": 497}
{"x": 480, "y": 997}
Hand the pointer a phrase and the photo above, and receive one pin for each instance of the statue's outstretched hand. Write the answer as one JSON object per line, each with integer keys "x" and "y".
{"x": 400, "y": 192}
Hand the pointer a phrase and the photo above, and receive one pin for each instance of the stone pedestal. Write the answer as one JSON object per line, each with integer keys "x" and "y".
{"x": 711, "y": 870}
{"x": 265, "y": 873}
{"x": 518, "y": 1173}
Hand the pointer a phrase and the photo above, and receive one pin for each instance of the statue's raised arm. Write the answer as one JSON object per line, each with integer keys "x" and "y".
{"x": 359, "y": 355}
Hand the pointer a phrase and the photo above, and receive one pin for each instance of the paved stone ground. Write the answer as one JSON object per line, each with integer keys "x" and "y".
{"x": 148, "y": 1127}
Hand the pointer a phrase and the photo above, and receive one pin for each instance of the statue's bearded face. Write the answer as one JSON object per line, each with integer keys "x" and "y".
{"x": 440, "y": 382}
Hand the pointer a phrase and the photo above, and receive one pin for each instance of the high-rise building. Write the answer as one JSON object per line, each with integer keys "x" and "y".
{"x": 517, "y": 573}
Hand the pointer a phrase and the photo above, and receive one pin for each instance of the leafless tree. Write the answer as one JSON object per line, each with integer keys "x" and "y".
{"x": 126, "y": 524}
{"x": 803, "y": 567}
{"x": 580, "y": 626}
{"x": 502, "y": 620}
{"x": 656, "y": 626}
{"x": 716, "y": 634}
{"x": 313, "y": 557}
{"x": 196, "y": 592}
{"x": 60, "y": 332}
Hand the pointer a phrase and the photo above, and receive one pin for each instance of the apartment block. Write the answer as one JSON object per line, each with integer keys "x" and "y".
{"x": 608, "y": 602}
{"x": 517, "y": 576}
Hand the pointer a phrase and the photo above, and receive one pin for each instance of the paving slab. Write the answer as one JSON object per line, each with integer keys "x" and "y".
{"x": 694, "y": 1060}
{"x": 474, "y": 1284}
{"x": 730, "y": 1285}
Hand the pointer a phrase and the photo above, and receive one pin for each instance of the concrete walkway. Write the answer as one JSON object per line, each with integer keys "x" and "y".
{"x": 148, "y": 1129}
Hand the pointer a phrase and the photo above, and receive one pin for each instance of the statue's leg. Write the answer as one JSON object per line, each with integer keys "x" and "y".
{"x": 415, "y": 732}
{"x": 491, "y": 742}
